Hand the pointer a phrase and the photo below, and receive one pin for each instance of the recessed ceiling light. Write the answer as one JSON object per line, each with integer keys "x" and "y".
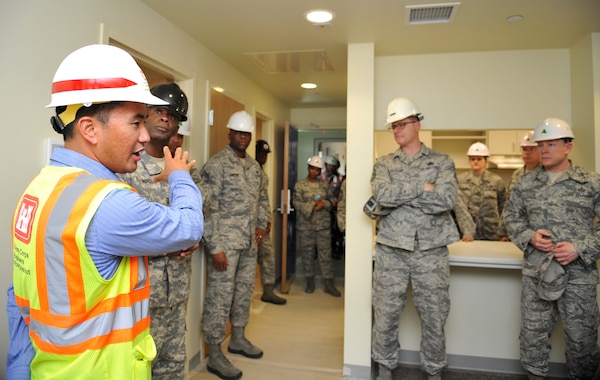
{"x": 308, "y": 86}
{"x": 319, "y": 16}
{"x": 514, "y": 18}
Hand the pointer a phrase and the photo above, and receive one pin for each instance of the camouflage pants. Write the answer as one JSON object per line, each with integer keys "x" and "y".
{"x": 266, "y": 260}
{"x": 321, "y": 240}
{"x": 578, "y": 311}
{"x": 228, "y": 294}
{"x": 167, "y": 327}
{"x": 429, "y": 274}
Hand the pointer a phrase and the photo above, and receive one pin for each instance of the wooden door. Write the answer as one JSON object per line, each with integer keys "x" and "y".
{"x": 222, "y": 107}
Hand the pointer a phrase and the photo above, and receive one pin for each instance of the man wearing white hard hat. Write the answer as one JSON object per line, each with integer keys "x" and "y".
{"x": 236, "y": 222}
{"x": 531, "y": 159}
{"x": 484, "y": 194}
{"x": 313, "y": 202}
{"x": 417, "y": 186}
{"x": 80, "y": 235}
{"x": 551, "y": 217}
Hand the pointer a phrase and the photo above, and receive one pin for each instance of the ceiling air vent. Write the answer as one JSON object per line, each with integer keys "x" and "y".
{"x": 431, "y": 13}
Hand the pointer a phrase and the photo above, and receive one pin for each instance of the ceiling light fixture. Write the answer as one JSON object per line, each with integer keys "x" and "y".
{"x": 514, "y": 18}
{"x": 319, "y": 16}
{"x": 308, "y": 86}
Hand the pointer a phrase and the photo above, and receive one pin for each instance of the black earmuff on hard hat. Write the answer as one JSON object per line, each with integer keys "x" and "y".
{"x": 56, "y": 122}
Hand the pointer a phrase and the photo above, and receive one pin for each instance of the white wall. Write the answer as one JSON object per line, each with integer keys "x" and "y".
{"x": 483, "y": 90}
{"x": 359, "y": 140}
{"x": 36, "y": 35}
{"x": 585, "y": 84}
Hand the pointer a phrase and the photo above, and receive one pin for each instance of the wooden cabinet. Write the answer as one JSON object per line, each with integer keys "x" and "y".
{"x": 505, "y": 142}
{"x": 456, "y": 144}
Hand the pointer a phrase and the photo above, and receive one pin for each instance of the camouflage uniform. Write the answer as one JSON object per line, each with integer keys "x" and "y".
{"x": 513, "y": 179}
{"x": 237, "y": 205}
{"x": 341, "y": 208}
{"x": 314, "y": 227}
{"x": 169, "y": 283}
{"x": 485, "y": 202}
{"x": 465, "y": 222}
{"x": 412, "y": 246}
{"x": 567, "y": 209}
{"x": 266, "y": 253}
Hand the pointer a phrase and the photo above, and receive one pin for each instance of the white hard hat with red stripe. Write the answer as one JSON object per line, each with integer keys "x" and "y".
{"x": 100, "y": 74}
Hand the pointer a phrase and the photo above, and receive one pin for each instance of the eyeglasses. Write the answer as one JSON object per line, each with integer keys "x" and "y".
{"x": 401, "y": 126}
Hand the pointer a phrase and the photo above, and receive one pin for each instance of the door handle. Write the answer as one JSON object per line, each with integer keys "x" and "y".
{"x": 285, "y": 205}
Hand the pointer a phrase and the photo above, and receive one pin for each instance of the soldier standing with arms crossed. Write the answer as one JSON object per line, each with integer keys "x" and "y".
{"x": 419, "y": 186}
{"x": 236, "y": 222}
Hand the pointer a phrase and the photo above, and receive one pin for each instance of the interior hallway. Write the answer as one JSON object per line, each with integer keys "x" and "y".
{"x": 301, "y": 340}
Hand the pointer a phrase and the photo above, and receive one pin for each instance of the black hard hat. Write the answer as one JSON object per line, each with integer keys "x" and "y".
{"x": 171, "y": 93}
{"x": 262, "y": 146}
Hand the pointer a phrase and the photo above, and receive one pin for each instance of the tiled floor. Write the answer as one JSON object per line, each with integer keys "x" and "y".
{"x": 301, "y": 340}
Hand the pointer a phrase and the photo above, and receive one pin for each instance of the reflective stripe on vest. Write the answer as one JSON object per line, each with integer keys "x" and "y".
{"x": 71, "y": 307}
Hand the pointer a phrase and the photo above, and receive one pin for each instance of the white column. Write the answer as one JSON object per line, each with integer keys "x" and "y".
{"x": 359, "y": 228}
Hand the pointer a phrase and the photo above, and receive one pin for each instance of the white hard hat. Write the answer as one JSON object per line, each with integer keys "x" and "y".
{"x": 316, "y": 161}
{"x": 401, "y": 108}
{"x": 241, "y": 121}
{"x": 552, "y": 129}
{"x": 478, "y": 149}
{"x": 330, "y": 160}
{"x": 184, "y": 128}
{"x": 100, "y": 74}
{"x": 527, "y": 140}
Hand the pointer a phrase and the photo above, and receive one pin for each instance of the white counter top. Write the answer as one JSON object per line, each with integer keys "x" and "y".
{"x": 485, "y": 254}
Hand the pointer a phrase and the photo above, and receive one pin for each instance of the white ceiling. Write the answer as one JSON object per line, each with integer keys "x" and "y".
{"x": 234, "y": 28}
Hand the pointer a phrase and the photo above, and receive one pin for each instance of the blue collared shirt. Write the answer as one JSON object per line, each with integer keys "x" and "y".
{"x": 125, "y": 224}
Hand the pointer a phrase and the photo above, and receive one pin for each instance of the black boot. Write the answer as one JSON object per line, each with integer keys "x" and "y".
{"x": 269, "y": 296}
{"x": 330, "y": 288}
{"x": 310, "y": 285}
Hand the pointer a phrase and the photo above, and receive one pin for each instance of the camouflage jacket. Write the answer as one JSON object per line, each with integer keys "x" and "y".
{"x": 304, "y": 194}
{"x": 518, "y": 173}
{"x": 341, "y": 208}
{"x": 397, "y": 182}
{"x": 169, "y": 277}
{"x": 464, "y": 220}
{"x": 237, "y": 201}
{"x": 567, "y": 208}
{"x": 485, "y": 202}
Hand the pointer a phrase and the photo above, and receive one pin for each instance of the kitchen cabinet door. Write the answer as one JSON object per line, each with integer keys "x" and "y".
{"x": 505, "y": 142}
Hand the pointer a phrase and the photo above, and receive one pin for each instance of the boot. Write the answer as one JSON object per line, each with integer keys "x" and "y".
{"x": 269, "y": 296}
{"x": 384, "y": 373}
{"x": 240, "y": 345}
{"x": 219, "y": 365}
{"x": 437, "y": 376}
{"x": 310, "y": 285}
{"x": 330, "y": 288}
